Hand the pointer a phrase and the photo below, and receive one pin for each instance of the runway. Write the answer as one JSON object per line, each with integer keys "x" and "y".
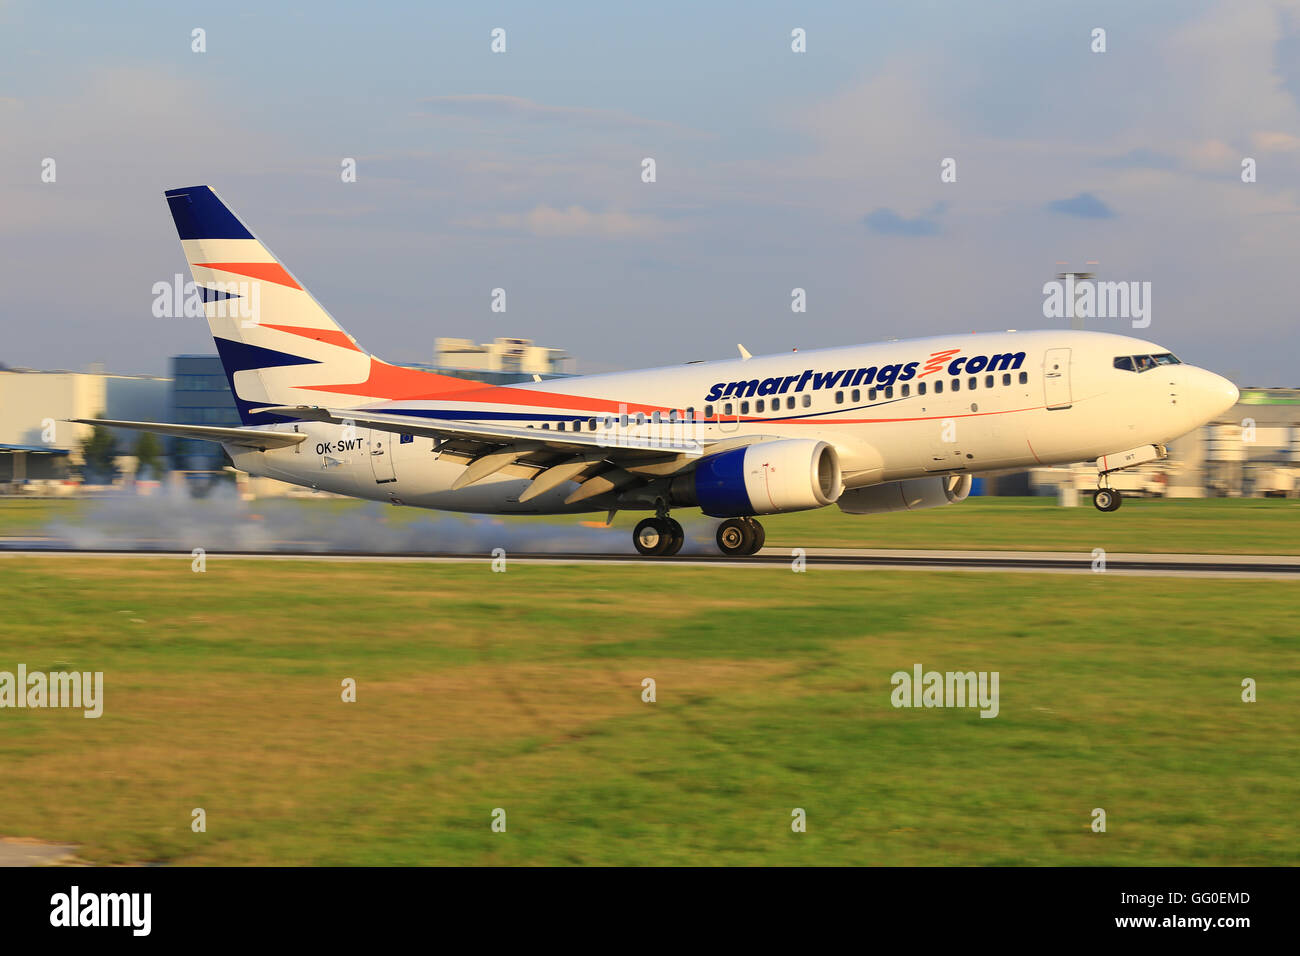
{"x": 1286, "y": 567}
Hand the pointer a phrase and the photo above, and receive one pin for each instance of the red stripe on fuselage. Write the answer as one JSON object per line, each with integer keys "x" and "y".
{"x": 396, "y": 383}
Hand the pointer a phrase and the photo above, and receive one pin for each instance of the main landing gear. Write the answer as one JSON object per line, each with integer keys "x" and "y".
{"x": 740, "y": 536}
{"x": 1106, "y": 499}
{"x": 662, "y": 537}
{"x": 658, "y": 537}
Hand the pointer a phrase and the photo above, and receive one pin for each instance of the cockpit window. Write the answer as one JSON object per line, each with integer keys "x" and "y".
{"x": 1144, "y": 363}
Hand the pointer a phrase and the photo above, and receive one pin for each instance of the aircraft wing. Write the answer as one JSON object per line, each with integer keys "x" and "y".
{"x": 244, "y": 437}
{"x": 600, "y": 462}
{"x": 617, "y": 441}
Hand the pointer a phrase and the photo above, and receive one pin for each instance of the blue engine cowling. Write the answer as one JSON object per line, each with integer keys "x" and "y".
{"x": 793, "y": 474}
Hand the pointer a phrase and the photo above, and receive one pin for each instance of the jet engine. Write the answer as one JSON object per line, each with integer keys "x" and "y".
{"x": 792, "y": 474}
{"x": 910, "y": 495}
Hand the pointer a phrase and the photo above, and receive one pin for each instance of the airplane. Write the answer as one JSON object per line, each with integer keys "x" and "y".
{"x": 895, "y": 426}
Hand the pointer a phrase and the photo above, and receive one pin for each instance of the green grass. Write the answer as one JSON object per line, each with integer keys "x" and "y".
{"x": 522, "y": 691}
{"x": 1212, "y": 525}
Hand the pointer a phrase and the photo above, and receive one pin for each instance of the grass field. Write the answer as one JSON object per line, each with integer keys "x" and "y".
{"x": 522, "y": 690}
{"x": 1213, "y": 525}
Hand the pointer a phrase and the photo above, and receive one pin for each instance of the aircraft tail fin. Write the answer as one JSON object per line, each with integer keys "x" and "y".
{"x": 277, "y": 343}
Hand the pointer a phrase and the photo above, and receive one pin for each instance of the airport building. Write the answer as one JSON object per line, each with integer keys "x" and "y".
{"x": 36, "y": 441}
{"x": 502, "y": 361}
{"x": 200, "y": 395}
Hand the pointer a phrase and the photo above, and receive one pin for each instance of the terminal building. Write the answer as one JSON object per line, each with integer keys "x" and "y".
{"x": 37, "y": 443}
{"x": 200, "y": 395}
{"x": 499, "y": 362}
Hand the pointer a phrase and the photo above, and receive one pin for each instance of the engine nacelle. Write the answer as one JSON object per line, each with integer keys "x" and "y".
{"x": 910, "y": 495}
{"x": 793, "y": 474}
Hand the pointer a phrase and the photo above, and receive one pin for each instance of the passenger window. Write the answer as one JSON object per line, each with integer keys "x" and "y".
{"x": 708, "y": 412}
{"x": 726, "y": 409}
{"x": 988, "y": 381}
{"x": 744, "y": 408}
{"x": 1024, "y": 378}
{"x": 920, "y": 388}
{"x": 856, "y": 395}
{"x": 807, "y": 401}
{"x": 938, "y": 386}
{"x": 871, "y": 395}
{"x": 906, "y": 390}
{"x": 972, "y": 382}
{"x": 1124, "y": 362}
{"x": 956, "y": 385}
{"x": 623, "y": 420}
{"x": 546, "y": 425}
{"x": 889, "y": 392}
{"x": 559, "y": 426}
{"x": 640, "y": 418}
{"x": 1006, "y": 379}
{"x": 654, "y": 417}
{"x": 789, "y": 402}
{"x": 758, "y": 406}
{"x": 591, "y": 424}
{"x": 839, "y": 398}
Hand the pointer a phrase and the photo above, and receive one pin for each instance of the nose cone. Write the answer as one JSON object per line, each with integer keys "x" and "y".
{"x": 1226, "y": 392}
{"x": 1211, "y": 395}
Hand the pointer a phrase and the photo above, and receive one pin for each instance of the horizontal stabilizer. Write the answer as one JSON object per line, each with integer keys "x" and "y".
{"x": 244, "y": 437}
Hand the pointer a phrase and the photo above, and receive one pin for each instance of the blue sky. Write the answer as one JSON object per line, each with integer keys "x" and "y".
{"x": 776, "y": 170}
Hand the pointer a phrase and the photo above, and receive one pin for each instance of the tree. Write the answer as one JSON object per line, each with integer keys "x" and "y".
{"x": 148, "y": 455}
{"x": 98, "y": 456}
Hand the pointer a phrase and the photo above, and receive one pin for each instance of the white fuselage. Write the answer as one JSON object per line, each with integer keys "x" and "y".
{"x": 895, "y": 410}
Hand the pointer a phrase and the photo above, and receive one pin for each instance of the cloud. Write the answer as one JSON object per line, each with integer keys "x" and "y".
{"x": 886, "y": 222}
{"x": 1274, "y": 141}
{"x": 1140, "y": 158}
{"x": 577, "y": 222}
{"x": 494, "y": 106}
{"x": 1084, "y": 205}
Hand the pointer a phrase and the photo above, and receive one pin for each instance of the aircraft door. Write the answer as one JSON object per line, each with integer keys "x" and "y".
{"x": 381, "y": 455}
{"x": 1056, "y": 379}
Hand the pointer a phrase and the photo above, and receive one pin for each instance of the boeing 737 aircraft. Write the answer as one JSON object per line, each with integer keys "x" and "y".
{"x": 874, "y": 428}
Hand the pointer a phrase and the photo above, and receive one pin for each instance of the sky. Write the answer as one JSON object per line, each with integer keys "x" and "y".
{"x": 775, "y": 170}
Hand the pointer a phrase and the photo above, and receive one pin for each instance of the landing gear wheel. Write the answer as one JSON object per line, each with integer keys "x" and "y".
{"x": 677, "y": 537}
{"x": 1106, "y": 499}
{"x": 759, "y": 536}
{"x": 653, "y": 536}
{"x": 736, "y": 537}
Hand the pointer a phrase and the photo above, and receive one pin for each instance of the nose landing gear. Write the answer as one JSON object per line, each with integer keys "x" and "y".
{"x": 1106, "y": 499}
{"x": 740, "y": 536}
